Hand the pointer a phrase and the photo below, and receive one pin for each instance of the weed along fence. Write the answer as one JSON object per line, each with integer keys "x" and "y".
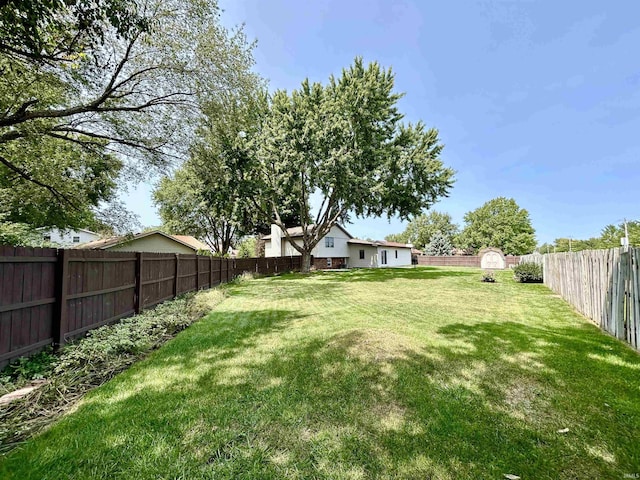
{"x": 603, "y": 285}
{"x": 48, "y": 296}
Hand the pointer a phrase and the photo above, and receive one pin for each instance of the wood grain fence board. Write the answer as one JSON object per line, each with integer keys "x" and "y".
{"x": 603, "y": 285}
{"x": 49, "y": 296}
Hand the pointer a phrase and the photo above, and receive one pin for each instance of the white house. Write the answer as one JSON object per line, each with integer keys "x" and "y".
{"x": 68, "y": 237}
{"x": 338, "y": 249}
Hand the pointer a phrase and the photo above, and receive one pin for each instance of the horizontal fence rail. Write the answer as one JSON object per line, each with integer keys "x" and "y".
{"x": 49, "y": 296}
{"x": 603, "y": 285}
{"x": 460, "y": 261}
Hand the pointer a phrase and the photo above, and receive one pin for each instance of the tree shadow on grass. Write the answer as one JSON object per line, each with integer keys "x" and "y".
{"x": 481, "y": 401}
{"x": 379, "y": 274}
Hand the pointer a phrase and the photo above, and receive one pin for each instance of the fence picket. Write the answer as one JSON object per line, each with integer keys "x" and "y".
{"x": 603, "y": 285}
{"x": 64, "y": 293}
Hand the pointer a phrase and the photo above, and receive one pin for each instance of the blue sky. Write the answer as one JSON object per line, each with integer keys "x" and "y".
{"x": 535, "y": 100}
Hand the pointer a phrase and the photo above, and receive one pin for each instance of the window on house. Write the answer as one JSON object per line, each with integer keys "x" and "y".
{"x": 328, "y": 263}
{"x": 328, "y": 242}
{"x": 396, "y": 253}
{"x": 47, "y": 238}
{"x": 383, "y": 257}
{"x": 361, "y": 254}
{"x": 76, "y": 239}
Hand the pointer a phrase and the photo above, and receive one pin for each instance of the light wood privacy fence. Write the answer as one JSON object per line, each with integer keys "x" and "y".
{"x": 603, "y": 285}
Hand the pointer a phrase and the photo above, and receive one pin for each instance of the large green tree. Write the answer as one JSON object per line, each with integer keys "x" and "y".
{"x": 95, "y": 92}
{"x": 213, "y": 195}
{"x": 186, "y": 209}
{"x": 499, "y": 223}
{"x": 422, "y": 228}
{"x": 344, "y": 144}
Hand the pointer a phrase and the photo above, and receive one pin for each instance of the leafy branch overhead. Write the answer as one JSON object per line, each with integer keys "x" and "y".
{"x": 118, "y": 85}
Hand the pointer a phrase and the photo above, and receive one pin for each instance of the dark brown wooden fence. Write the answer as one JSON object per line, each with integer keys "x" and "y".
{"x": 460, "y": 261}
{"x": 48, "y": 296}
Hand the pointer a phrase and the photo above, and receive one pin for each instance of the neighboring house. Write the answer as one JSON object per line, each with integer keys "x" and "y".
{"x": 194, "y": 242}
{"x": 153, "y": 241}
{"x": 338, "y": 249}
{"x": 68, "y": 237}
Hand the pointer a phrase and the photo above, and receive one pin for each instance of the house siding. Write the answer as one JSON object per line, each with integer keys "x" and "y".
{"x": 340, "y": 247}
{"x": 370, "y": 256}
{"x": 153, "y": 243}
{"x": 65, "y": 237}
{"x": 404, "y": 256}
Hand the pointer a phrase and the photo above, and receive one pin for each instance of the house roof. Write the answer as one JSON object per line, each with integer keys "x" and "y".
{"x": 379, "y": 243}
{"x": 106, "y": 243}
{"x": 194, "y": 242}
{"x": 297, "y": 232}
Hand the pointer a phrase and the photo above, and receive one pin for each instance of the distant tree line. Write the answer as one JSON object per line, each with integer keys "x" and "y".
{"x": 499, "y": 223}
{"x": 609, "y": 238}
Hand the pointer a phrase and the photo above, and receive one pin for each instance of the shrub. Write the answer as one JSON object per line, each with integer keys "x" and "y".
{"x": 489, "y": 277}
{"x": 528, "y": 272}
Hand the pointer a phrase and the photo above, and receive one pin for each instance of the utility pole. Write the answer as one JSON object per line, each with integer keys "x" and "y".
{"x": 569, "y": 244}
{"x": 626, "y": 236}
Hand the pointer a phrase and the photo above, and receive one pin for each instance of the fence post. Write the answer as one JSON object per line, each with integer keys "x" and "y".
{"x": 138, "y": 295}
{"x": 175, "y": 284}
{"x": 197, "y": 272}
{"x": 60, "y": 319}
{"x": 228, "y": 277}
{"x": 210, "y": 271}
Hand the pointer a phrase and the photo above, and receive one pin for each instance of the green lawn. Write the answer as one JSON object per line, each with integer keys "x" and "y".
{"x": 410, "y": 373}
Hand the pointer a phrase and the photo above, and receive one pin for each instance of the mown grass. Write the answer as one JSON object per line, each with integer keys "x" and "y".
{"x": 407, "y": 373}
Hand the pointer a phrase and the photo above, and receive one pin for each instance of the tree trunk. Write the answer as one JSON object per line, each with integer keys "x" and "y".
{"x": 306, "y": 262}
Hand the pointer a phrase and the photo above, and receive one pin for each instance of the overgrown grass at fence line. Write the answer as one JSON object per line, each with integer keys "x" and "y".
{"x": 92, "y": 361}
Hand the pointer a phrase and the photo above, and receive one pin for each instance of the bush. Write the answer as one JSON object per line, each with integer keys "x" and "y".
{"x": 489, "y": 277}
{"x": 528, "y": 273}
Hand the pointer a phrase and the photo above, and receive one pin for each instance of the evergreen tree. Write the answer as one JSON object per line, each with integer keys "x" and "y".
{"x": 439, "y": 246}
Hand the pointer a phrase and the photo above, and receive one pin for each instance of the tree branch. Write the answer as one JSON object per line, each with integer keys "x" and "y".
{"x": 27, "y": 176}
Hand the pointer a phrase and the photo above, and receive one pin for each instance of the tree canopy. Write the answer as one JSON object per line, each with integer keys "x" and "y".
{"x": 344, "y": 144}
{"x": 93, "y": 92}
{"x": 422, "y": 228}
{"x": 212, "y": 195}
{"x": 498, "y": 223}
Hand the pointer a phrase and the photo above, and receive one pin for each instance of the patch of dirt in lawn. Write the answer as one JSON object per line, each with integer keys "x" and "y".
{"x": 526, "y": 400}
{"x": 374, "y": 345}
